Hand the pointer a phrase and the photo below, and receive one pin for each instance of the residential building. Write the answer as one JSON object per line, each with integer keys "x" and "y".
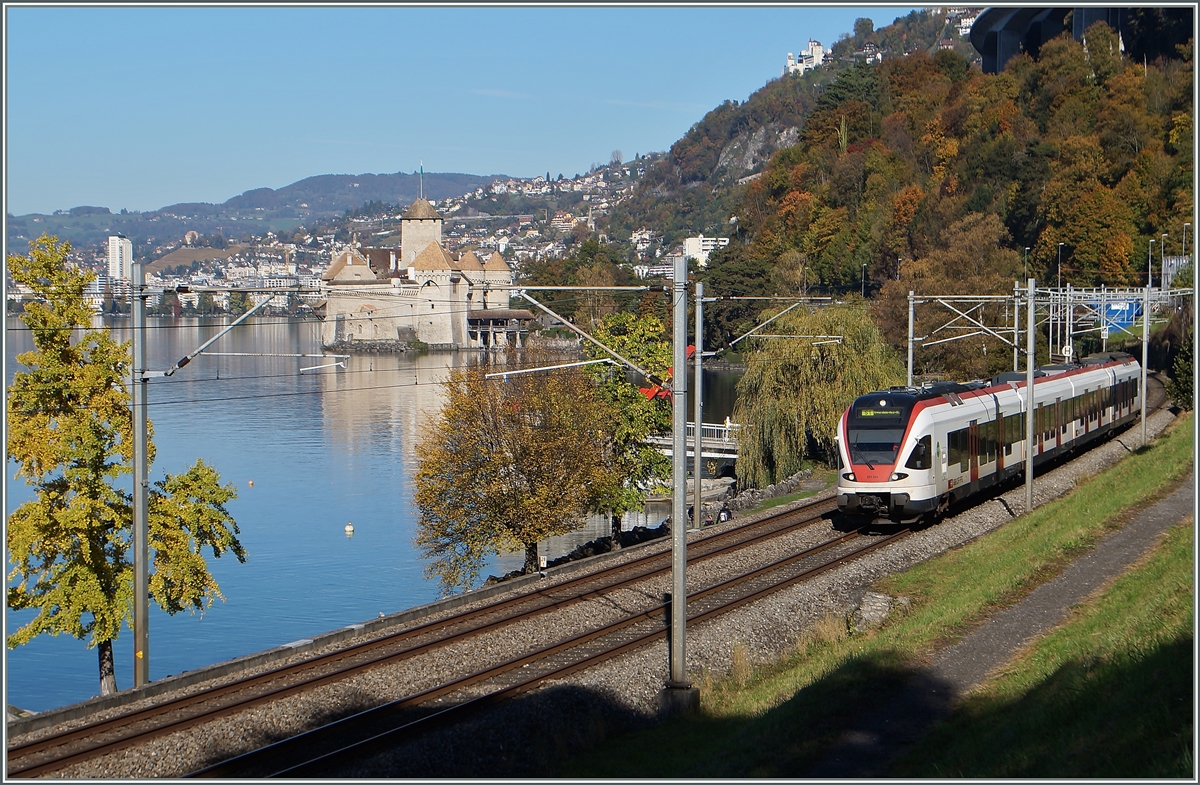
{"x": 700, "y": 247}
{"x": 120, "y": 256}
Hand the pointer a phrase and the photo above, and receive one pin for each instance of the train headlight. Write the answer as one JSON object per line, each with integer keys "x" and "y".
{"x": 898, "y": 476}
{"x": 848, "y": 476}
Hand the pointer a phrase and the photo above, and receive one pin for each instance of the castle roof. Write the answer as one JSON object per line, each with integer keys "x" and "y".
{"x": 349, "y": 258}
{"x": 496, "y": 262}
{"x": 434, "y": 257}
{"x": 469, "y": 261}
{"x": 421, "y": 210}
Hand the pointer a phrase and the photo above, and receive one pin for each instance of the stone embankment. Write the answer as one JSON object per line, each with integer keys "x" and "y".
{"x": 715, "y": 497}
{"x": 372, "y": 347}
{"x": 752, "y": 497}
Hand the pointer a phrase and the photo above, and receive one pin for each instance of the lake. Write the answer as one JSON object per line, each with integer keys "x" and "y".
{"x": 322, "y": 448}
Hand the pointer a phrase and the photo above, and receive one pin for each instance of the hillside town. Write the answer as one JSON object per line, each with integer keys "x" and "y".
{"x": 445, "y": 253}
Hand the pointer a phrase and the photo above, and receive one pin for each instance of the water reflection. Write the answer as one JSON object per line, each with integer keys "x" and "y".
{"x": 308, "y": 451}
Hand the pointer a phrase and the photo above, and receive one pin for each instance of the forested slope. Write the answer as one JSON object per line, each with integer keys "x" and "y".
{"x": 921, "y": 173}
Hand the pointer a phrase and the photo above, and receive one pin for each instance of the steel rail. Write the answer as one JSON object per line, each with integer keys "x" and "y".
{"x": 125, "y": 724}
{"x": 290, "y": 750}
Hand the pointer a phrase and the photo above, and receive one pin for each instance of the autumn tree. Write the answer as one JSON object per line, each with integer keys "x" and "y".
{"x": 795, "y": 389}
{"x": 509, "y": 462}
{"x": 635, "y": 466}
{"x": 70, "y": 432}
{"x": 971, "y": 257}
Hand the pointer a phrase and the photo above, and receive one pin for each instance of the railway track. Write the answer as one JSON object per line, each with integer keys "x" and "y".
{"x": 56, "y": 751}
{"x": 324, "y": 750}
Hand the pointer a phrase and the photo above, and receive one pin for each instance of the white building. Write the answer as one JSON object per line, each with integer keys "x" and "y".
{"x": 120, "y": 256}
{"x": 700, "y": 247}
{"x": 809, "y": 58}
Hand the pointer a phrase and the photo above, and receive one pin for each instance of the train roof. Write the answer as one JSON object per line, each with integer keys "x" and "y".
{"x": 939, "y": 389}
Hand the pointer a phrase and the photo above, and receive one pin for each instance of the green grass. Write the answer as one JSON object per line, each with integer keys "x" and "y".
{"x": 775, "y": 721}
{"x": 1107, "y": 695}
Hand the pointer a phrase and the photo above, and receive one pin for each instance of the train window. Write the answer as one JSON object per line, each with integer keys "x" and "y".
{"x": 874, "y": 445}
{"x": 1014, "y": 429}
{"x": 921, "y": 456}
{"x": 959, "y": 448}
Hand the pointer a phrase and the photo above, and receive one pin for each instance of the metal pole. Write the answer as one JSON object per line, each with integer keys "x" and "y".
{"x": 1162, "y": 255}
{"x": 1145, "y": 354}
{"x": 141, "y": 579}
{"x": 1071, "y": 323}
{"x": 1149, "y": 261}
{"x": 910, "y": 338}
{"x": 678, "y": 676}
{"x": 1016, "y": 322}
{"x": 1104, "y": 318}
{"x": 1053, "y": 300}
{"x": 1030, "y": 441}
{"x": 697, "y": 437}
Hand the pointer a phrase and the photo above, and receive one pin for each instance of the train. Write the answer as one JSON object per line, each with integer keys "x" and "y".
{"x": 908, "y": 453}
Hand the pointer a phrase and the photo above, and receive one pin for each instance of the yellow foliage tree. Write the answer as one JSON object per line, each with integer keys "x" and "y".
{"x": 510, "y": 461}
{"x": 70, "y": 432}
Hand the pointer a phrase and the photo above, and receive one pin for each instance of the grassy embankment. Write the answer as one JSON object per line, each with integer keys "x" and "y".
{"x": 188, "y": 255}
{"x": 1108, "y": 694}
{"x": 820, "y": 472}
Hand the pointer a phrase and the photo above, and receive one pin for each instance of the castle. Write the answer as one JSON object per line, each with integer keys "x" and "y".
{"x": 419, "y": 292}
{"x": 810, "y": 58}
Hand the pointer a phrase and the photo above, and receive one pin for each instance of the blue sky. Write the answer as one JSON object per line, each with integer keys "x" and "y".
{"x": 141, "y": 107}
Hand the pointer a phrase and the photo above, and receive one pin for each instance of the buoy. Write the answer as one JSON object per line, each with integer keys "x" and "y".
{"x": 252, "y": 483}
{"x": 349, "y": 528}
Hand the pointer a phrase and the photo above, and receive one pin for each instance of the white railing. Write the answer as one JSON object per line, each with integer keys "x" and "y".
{"x": 727, "y": 433}
{"x": 717, "y": 439}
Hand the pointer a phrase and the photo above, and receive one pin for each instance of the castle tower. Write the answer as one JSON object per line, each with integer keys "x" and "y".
{"x": 420, "y": 226}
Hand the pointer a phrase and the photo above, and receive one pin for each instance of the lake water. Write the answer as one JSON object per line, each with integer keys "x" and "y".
{"x": 322, "y": 448}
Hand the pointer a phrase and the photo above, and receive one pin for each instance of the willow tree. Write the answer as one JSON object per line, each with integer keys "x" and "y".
{"x": 509, "y": 462}
{"x": 70, "y": 432}
{"x": 796, "y": 388}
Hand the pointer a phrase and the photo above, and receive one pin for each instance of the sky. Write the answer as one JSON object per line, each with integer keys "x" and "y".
{"x": 140, "y": 107}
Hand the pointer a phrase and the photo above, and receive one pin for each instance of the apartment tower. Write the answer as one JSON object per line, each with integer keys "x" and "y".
{"x": 120, "y": 256}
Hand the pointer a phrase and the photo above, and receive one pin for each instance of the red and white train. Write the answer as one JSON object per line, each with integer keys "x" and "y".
{"x": 907, "y": 452}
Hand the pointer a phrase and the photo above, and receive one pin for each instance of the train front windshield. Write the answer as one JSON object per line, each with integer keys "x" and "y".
{"x": 875, "y": 427}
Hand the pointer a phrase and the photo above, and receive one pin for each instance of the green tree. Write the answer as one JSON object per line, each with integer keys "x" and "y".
{"x": 508, "y": 463}
{"x": 169, "y": 305}
{"x": 635, "y": 466}
{"x": 795, "y": 389}
{"x": 70, "y": 432}
{"x": 204, "y": 304}
{"x": 239, "y": 302}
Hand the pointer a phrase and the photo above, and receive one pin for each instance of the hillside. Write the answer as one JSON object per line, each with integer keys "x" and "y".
{"x": 924, "y": 174}
{"x": 319, "y": 197}
{"x": 694, "y": 189}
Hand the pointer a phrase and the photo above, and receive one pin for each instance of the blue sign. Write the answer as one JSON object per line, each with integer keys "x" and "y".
{"x": 1120, "y": 315}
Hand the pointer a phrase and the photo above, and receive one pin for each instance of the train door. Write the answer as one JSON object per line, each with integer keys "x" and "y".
{"x": 1001, "y": 440}
{"x": 973, "y": 448}
{"x": 1058, "y": 419}
{"x": 1039, "y": 425}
